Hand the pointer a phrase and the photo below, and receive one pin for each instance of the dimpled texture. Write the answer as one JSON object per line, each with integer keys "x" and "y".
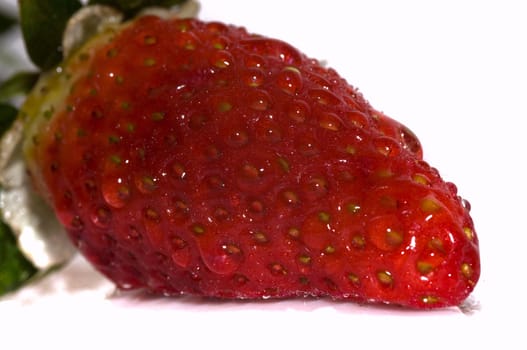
{"x": 195, "y": 158}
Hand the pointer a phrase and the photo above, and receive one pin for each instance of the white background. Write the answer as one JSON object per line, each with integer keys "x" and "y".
{"x": 455, "y": 72}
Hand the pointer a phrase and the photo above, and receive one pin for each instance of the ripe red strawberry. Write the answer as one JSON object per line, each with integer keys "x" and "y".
{"x": 194, "y": 158}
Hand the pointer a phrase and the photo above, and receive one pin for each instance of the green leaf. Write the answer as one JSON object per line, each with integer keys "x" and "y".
{"x": 7, "y": 117}
{"x": 15, "y": 269}
{"x": 130, "y": 7}
{"x": 43, "y": 24}
{"x": 19, "y": 83}
{"x": 6, "y": 22}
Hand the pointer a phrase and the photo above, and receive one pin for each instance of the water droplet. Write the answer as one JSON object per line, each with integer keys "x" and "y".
{"x": 315, "y": 188}
{"x": 256, "y": 206}
{"x": 101, "y": 217}
{"x": 220, "y": 42}
{"x": 290, "y": 80}
{"x": 385, "y": 232}
{"x": 268, "y": 130}
{"x": 298, "y": 111}
{"x": 116, "y": 192}
{"x": 186, "y": 41}
{"x": 258, "y": 100}
{"x": 221, "y": 59}
{"x": 181, "y": 254}
{"x": 212, "y": 152}
{"x": 356, "y": 119}
{"x": 221, "y": 214}
{"x": 387, "y": 146}
{"x": 197, "y": 121}
{"x": 240, "y": 279}
{"x": 274, "y": 48}
{"x": 76, "y": 224}
{"x": 329, "y": 121}
{"x": 254, "y": 61}
{"x": 466, "y": 204}
{"x": 277, "y": 269}
{"x": 178, "y": 170}
{"x": 179, "y": 210}
{"x": 253, "y": 77}
{"x": 324, "y": 97}
{"x": 215, "y": 182}
{"x": 133, "y": 234}
{"x": 307, "y": 146}
{"x": 410, "y": 141}
{"x": 146, "y": 183}
{"x": 290, "y": 197}
{"x": 224, "y": 259}
{"x": 237, "y": 138}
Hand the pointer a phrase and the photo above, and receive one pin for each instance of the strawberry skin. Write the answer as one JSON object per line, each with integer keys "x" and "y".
{"x": 186, "y": 157}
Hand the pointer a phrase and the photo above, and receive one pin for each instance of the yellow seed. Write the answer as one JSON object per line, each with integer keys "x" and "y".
{"x": 323, "y": 216}
{"x": 284, "y": 164}
{"x": 329, "y": 249}
{"x": 294, "y": 232}
{"x": 436, "y": 244}
{"x": 150, "y": 40}
{"x": 260, "y": 237}
{"x": 424, "y": 267}
{"x": 351, "y": 149}
{"x": 224, "y": 106}
{"x": 420, "y": 179}
{"x": 468, "y": 233}
{"x": 429, "y": 205}
{"x": 277, "y": 269}
{"x": 232, "y": 249}
{"x": 149, "y": 62}
{"x": 393, "y": 237}
{"x": 466, "y": 270}
{"x": 353, "y": 208}
{"x": 292, "y": 69}
{"x": 385, "y": 277}
{"x": 198, "y": 229}
{"x": 429, "y": 299}
{"x": 304, "y": 259}
{"x": 157, "y": 116}
{"x": 353, "y": 278}
{"x": 384, "y": 173}
{"x": 358, "y": 241}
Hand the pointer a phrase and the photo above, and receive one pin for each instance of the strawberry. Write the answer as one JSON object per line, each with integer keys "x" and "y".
{"x": 186, "y": 157}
